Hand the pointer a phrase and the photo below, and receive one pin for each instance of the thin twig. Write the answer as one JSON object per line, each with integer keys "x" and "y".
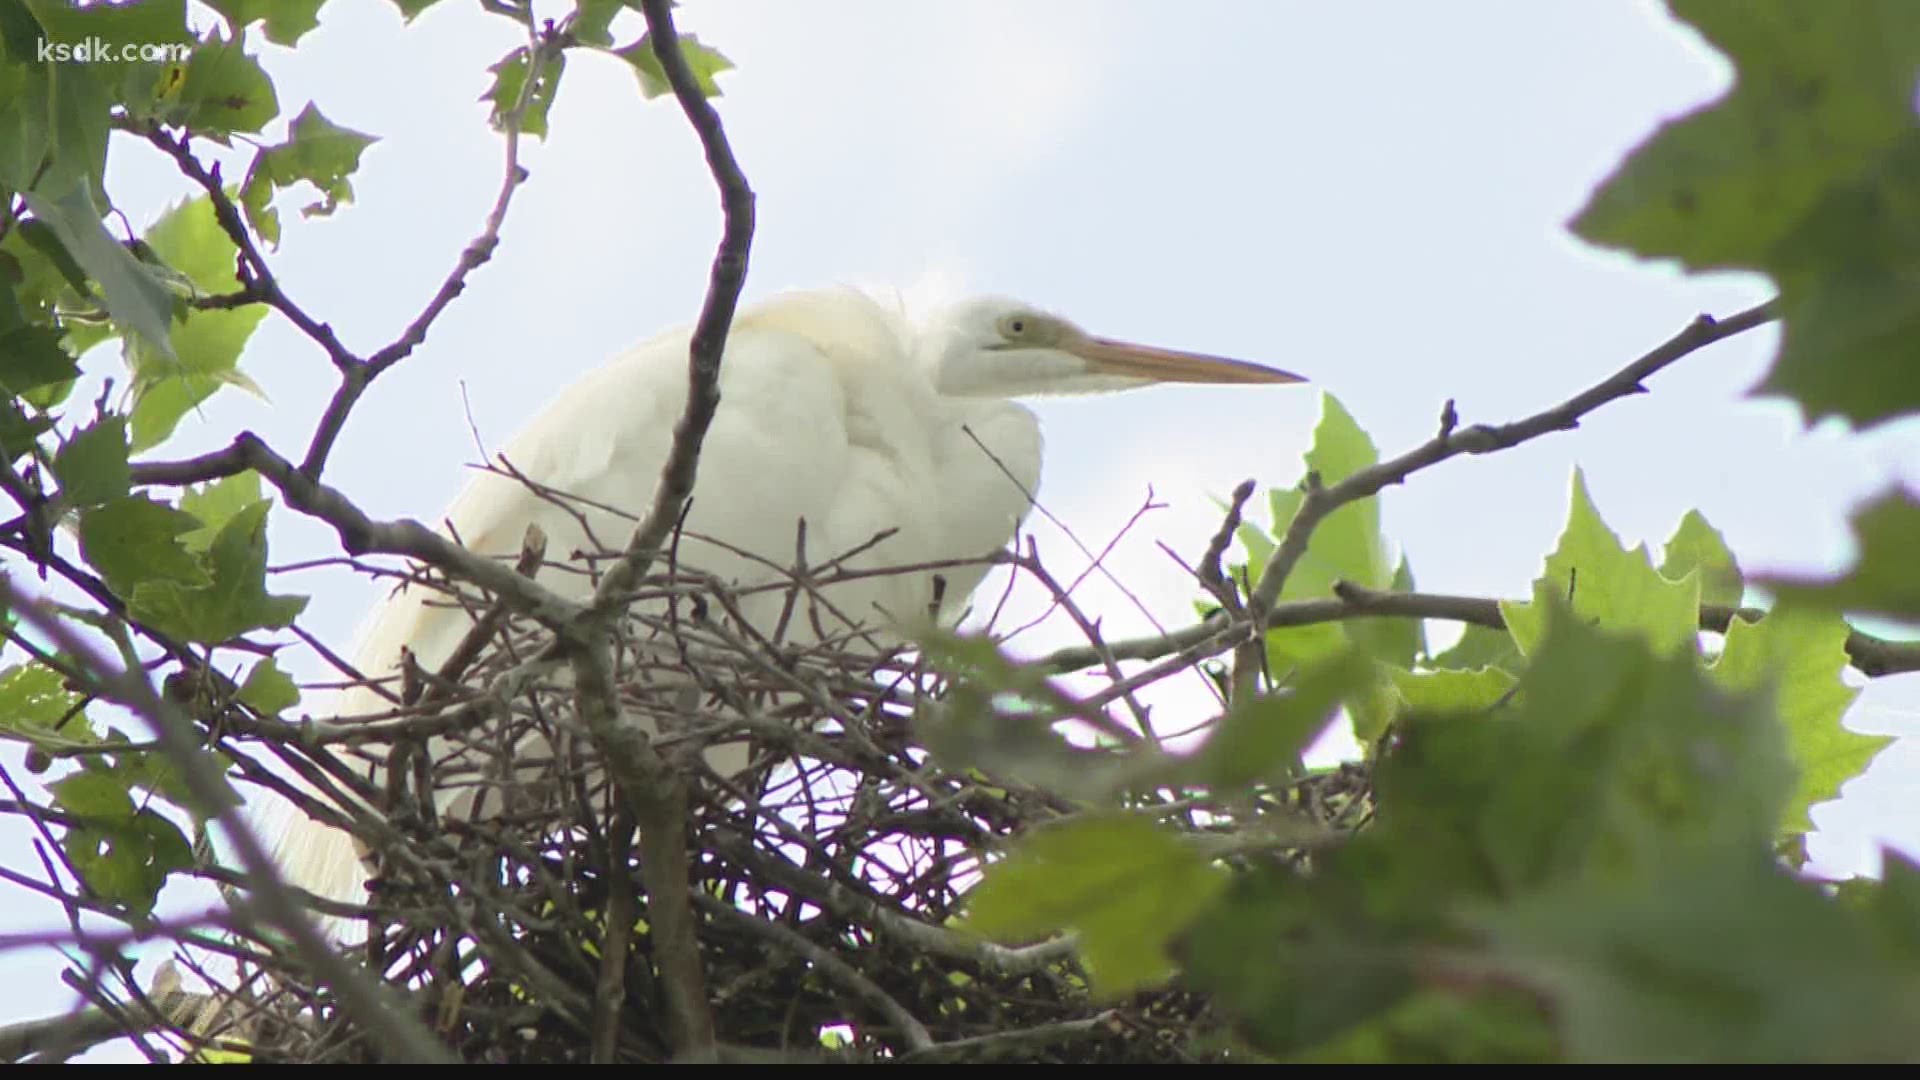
{"x": 255, "y": 276}
{"x": 911, "y": 1030}
{"x": 610, "y": 992}
{"x": 1225, "y": 630}
{"x": 358, "y": 533}
{"x": 1870, "y": 655}
{"x": 1211, "y": 573}
{"x": 1020, "y": 1042}
{"x": 1452, "y": 441}
{"x": 854, "y": 904}
{"x": 399, "y": 1035}
{"x": 709, "y": 342}
{"x": 356, "y": 376}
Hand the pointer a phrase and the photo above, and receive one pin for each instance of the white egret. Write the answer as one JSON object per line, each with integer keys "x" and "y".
{"x": 835, "y": 411}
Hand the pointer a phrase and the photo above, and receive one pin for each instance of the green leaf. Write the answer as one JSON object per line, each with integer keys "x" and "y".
{"x": 12, "y": 315}
{"x": 999, "y": 717}
{"x": 287, "y": 20}
{"x": 54, "y": 115}
{"x": 1607, "y": 585}
{"x": 591, "y": 19}
{"x": 1606, "y": 760}
{"x": 1292, "y": 962}
{"x": 1847, "y": 342}
{"x": 25, "y": 100}
{"x": 1697, "y": 545}
{"x": 1449, "y": 692}
{"x": 1605, "y": 755}
{"x": 1127, "y": 886}
{"x": 411, "y": 9}
{"x": 110, "y": 27}
{"x": 40, "y": 237}
{"x": 316, "y": 151}
{"x": 1882, "y": 581}
{"x": 1262, "y": 739}
{"x": 704, "y": 62}
{"x": 1391, "y": 641}
{"x": 123, "y": 853}
{"x": 190, "y": 241}
{"x": 509, "y": 75}
{"x": 215, "y": 504}
{"x": 268, "y": 689}
{"x": 52, "y": 289}
{"x": 99, "y": 797}
{"x": 234, "y": 601}
{"x": 1807, "y": 170}
{"x": 128, "y": 861}
{"x": 1800, "y": 655}
{"x": 134, "y": 541}
{"x": 1482, "y": 647}
{"x": 161, "y": 406}
{"x": 36, "y": 706}
{"x": 20, "y": 32}
{"x": 219, "y": 91}
{"x": 155, "y": 772}
{"x": 33, "y": 290}
{"x": 31, "y": 357}
{"x": 26, "y": 126}
{"x": 976, "y": 662}
{"x": 92, "y": 466}
{"x": 1817, "y": 99}
{"x": 1443, "y": 1026}
{"x": 19, "y": 431}
{"x": 1891, "y": 906}
{"x": 1346, "y": 546}
{"x": 1720, "y": 956}
{"x": 133, "y": 297}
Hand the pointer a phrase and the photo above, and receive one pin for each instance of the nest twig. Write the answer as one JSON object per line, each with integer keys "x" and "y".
{"x": 829, "y": 874}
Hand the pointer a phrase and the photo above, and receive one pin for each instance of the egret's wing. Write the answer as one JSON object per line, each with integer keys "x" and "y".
{"x": 836, "y": 430}
{"x": 569, "y": 447}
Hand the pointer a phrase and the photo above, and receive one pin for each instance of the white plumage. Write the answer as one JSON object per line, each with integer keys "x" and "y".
{"x": 834, "y": 410}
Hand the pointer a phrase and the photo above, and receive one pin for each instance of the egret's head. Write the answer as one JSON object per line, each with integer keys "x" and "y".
{"x": 1004, "y": 348}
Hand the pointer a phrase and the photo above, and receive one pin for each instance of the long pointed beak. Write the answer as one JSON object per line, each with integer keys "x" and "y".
{"x": 1110, "y": 357}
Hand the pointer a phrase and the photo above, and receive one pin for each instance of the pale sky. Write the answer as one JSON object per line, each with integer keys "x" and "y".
{"x": 1371, "y": 195}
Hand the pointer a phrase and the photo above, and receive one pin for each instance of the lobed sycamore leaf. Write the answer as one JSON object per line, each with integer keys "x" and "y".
{"x": 1806, "y": 170}
{"x": 1602, "y": 582}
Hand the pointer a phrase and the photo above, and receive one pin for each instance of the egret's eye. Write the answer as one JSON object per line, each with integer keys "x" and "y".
{"x": 1017, "y": 327}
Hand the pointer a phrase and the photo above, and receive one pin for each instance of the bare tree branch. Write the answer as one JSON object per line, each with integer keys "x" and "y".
{"x": 654, "y": 792}
{"x": 358, "y": 533}
{"x": 1870, "y": 655}
{"x": 1452, "y": 441}
{"x": 728, "y": 277}
{"x": 1227, "y": 629}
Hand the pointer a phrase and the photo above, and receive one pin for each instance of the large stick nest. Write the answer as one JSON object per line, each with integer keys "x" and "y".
{"x": 829, "y": 877}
